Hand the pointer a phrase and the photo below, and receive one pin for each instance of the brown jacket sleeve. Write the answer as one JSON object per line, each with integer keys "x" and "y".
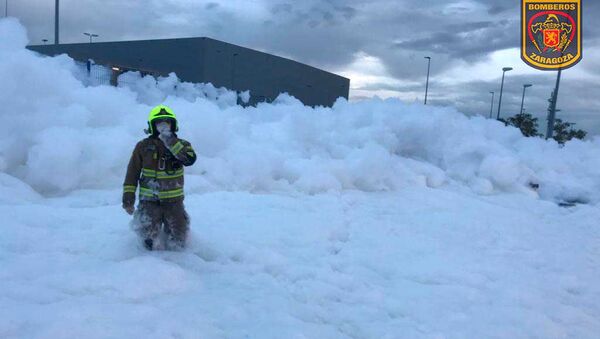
{"x": 182, "y": 150}
{"x": 133, "y": 174}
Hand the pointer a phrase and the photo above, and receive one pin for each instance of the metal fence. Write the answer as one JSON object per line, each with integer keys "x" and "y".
{"x": 92, "y": 74}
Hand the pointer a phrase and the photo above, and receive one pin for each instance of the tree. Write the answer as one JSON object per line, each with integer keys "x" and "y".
{"x": 526, "y": 123}
{"x": 564, "y": 131}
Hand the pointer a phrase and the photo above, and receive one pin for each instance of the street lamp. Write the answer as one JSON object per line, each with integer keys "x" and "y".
{"x": 504, "y": 70}
{"x": 523, "y": 98}
{"x": 56, "y": 21}
{"x": 427, "y": 83}
{"x": 492, "y": 104}
{"x": 233, "y": 58}
{"x": 553, "y": 110}
{"x": 91, "y": 36}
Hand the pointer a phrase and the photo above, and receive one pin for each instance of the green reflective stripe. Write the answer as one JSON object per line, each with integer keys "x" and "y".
{"x": 175, "y": 149}
{"x": 190, "y": 153}
{"x": 170, "y": 194}
{"x": 153, "y": 172}
{"x": 146, "y": 192}
{"x": 169, "y": 176}
{"x": 165, "y": 175}
{"x": 162, "y": 174}
{"x": 148, "y": 172}
{"x": 129, "y": 188}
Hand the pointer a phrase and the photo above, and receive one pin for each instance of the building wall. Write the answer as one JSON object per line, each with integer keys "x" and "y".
{"x": 267, "y": 75}
{"x": 158, "y": 57}
{"x": 207, "y": 60}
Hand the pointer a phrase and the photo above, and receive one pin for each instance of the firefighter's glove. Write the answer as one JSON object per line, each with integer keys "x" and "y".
{"x": 129, "y": 209}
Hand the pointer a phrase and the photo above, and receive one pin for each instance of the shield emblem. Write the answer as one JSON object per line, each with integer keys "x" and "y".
{"x": 551, "y": 37}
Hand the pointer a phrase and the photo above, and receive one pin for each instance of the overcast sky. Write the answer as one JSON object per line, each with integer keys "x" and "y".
{"x": 379, "y": 44}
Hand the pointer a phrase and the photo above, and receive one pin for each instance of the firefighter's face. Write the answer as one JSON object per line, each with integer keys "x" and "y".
{"x": 163, "y": 125}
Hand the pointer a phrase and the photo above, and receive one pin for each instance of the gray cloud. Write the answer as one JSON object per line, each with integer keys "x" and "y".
{"x": 468, "y": 41}
{"x": 211, "y": 5}
{"x": 495, "y": 9}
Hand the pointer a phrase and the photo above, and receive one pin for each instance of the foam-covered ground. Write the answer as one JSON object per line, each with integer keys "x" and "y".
{"x": 421, "y": 263}
{"x": 374, "y": 219}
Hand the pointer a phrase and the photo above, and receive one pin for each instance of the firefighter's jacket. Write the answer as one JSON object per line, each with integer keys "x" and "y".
{"x": 158, "y": 169}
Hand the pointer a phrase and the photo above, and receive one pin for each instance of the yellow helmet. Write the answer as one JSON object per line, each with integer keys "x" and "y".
{"x": 161, "y": 112}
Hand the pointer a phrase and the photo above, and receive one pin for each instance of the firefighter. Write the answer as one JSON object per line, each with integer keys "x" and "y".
{"x": 157, "y": 164}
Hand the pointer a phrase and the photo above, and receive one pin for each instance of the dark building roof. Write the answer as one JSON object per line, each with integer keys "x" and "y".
{"x": 204, "y": 60}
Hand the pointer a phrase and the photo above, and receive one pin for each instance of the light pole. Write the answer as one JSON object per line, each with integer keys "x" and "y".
{"x": 427, "y": 83}
{"x": 504, "y": 70}
{"x": 6, "y": 9}
{"x": 523, "y": 97}
{"x": 492, "y": 104}
{"x": 56, "y": 12}
{"x": 553, "y": 110}
{"x": 233, "y": 58}
{"x": 91, "y": 36}
{"x": 233, "y": 88}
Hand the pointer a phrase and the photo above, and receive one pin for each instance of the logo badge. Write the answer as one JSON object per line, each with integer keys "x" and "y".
{"x": 551, "y": 33}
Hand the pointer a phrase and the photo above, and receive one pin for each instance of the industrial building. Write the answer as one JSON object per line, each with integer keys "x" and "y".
{"x": 205, "y": 60}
